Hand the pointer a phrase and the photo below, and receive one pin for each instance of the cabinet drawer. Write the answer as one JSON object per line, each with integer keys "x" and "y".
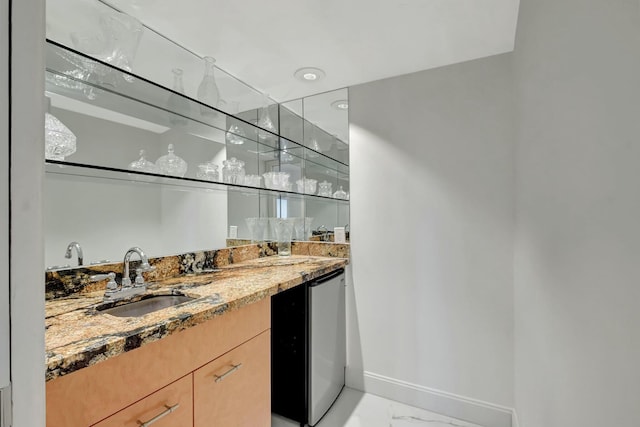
{"x": 234, "y": 390}
{"x": 171, "y": 406}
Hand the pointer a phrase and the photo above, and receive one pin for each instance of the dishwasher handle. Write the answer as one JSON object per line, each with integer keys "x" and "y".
{"x": 320, "y": 280}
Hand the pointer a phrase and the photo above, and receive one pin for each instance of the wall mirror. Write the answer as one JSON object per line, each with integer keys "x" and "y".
{"x": 94, "y": 197}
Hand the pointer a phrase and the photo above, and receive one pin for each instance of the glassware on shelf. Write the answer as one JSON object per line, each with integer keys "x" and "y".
{"x": 252, "y": 180}
{"x": 233, "y": 171}
{"x": 208, "y": 91}
{"x": 340, "y": 194}
{"x": 306, "y": 185}
{"x": 59, "y": 141}
{"x": 176, "y": 102}
{"x": 143, "y": 165}
{"x": 170, "y": 164}
{"x": 208, "y": 171}
{"x": 325, "y": 189}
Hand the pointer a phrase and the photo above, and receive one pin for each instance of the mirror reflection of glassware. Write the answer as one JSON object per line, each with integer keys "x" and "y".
{"x": 252, "y": 180}
{"x": 235, "y": 135}
{"x": 143, "y": 165}
{"x": 313, "y": 144}
{"x": 340, "y": 194}
{"x": 325, "y": 189}
{"x": 170, "y": 164}
{"x": 115, "y": 43}
{"x": 257, "y": 227}
{"x": 60, "y": 142}
{"x": 307, "y": 227}
{"x": 123, "y": 34}
{"x": 233, "y": 171}
{"x": 177, "y": 103}
{"x": 298, "y": 226}
{"x": 277, "y": 181}
{"x": 306, "y": 185}
{"x": 208, "y": 171}
{"x": 285, "y": 156}
{"x": 264, "y": 118}
{"x": 208, "y": 92}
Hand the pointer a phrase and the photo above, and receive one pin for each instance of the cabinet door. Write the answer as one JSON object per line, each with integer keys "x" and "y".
{"x": 171, "y": 406}
{"x": 234, "y": 390}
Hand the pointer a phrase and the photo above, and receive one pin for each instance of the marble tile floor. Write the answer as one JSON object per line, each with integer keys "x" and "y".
{"x": 357, "y": 409}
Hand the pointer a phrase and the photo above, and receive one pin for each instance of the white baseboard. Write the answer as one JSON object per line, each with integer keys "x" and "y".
{"x": 441, "y": 402}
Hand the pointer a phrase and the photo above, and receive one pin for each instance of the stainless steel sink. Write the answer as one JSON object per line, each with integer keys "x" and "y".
{"x": 145, "y": 306}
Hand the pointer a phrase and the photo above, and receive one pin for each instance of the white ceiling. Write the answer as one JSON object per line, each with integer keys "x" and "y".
{"x": 354, "y": 41}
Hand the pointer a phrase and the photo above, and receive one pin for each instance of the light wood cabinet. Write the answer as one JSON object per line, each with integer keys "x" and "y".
{"x": 171, "y": 406}
{"x": 91, "y": 395}
{"x": 234, "y": 390}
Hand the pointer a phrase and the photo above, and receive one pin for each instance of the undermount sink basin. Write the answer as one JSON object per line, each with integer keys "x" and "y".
{"x": 145, "y": 306}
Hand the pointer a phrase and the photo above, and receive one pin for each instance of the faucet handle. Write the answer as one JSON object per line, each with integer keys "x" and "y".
{"x": 139, "y": 281}
{"x": 112, "y": 285}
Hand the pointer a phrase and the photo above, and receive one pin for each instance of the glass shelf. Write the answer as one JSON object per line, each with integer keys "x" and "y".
{"x": 56, "y": 167}
{"x": 102, "y": 91}
{"x": 81, "y": 24}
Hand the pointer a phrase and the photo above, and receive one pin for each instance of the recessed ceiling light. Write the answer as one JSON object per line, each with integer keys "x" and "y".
{"x": 309, "y": 74}
{"x": 340, "y": 104}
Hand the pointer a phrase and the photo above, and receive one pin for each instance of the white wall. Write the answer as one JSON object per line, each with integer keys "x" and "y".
{"x": 27, "y": 257}
{"x": 4, "y": 195}
{"x": 432, "y": 183}
{"x": 577, "y": 68}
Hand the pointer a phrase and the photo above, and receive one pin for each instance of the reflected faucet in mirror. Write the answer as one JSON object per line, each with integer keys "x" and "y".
{"x": 78, "y": 248}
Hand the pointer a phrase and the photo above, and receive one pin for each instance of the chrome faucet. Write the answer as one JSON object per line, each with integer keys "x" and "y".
{"x": 126, "y": 288}
{"x": 126, "y": 280}
{"x": 78, "y": 249}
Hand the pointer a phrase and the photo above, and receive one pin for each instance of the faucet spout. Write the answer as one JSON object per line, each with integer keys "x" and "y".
{"x": 126, "y": 280}
{"x": 78, "y": 248}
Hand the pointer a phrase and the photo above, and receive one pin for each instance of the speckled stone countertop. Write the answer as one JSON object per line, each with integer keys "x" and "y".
{"x": 77, "y": 335}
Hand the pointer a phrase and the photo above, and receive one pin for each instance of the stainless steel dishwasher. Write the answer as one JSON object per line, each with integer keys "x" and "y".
{"x": 308, "y": 348}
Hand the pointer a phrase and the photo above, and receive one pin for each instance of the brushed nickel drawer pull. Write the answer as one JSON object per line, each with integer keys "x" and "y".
{"x": 229, "y": 372}
{"x": 166, "y": 412}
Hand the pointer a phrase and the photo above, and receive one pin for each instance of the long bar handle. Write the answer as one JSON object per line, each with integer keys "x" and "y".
{"x": 166, "y": 412}
{"x": 229, "y": 372}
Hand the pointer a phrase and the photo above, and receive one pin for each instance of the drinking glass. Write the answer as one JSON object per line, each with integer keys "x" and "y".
{"x": 283, "y": 228}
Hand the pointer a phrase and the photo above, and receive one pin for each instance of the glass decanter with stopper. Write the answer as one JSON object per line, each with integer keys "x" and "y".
{"x": 170, "y": 164}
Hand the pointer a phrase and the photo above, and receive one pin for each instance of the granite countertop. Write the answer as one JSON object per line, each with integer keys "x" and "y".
{"x": 77, "y": 335}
